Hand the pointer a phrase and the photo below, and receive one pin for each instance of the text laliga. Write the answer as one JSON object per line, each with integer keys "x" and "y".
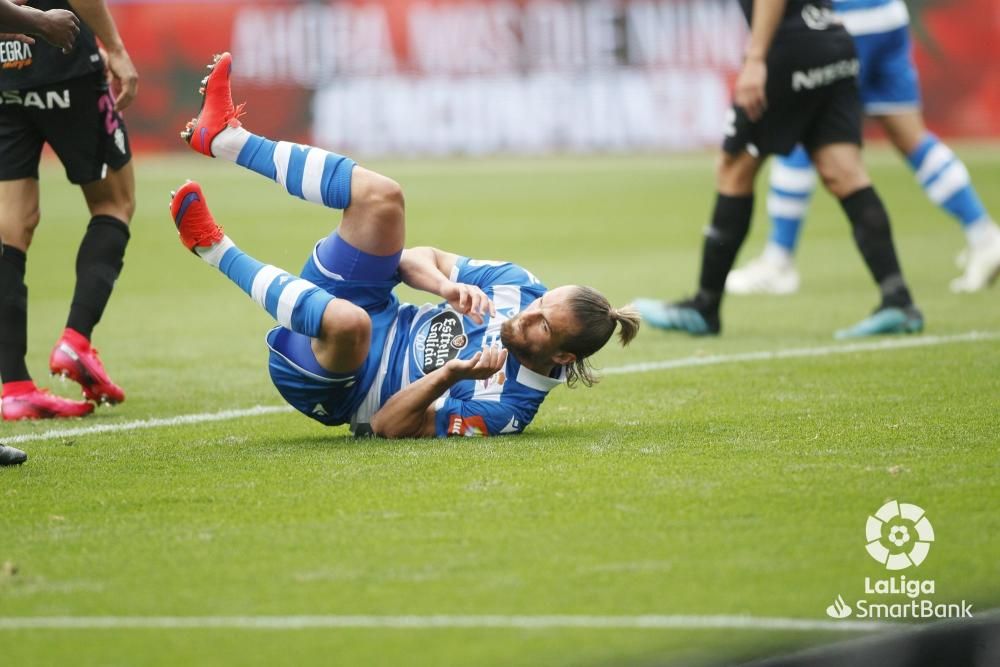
{"x": 911, "y": 588}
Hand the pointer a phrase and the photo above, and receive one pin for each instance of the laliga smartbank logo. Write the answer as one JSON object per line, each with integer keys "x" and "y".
{"x": 898, "y": 536}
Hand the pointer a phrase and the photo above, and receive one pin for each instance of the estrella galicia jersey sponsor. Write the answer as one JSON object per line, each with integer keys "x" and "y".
{"x": 32, "y": 65}
{"x": 425, "y": 338}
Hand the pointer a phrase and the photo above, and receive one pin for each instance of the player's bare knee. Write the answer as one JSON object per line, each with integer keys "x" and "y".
{"x": 18, "y": 231}
{"x": 346, "y": 325}
{"x": 127, "y": 208}
{"x": 387, "y": 196}
{"x": 842, "y": 180}
{"x": 735, "y": 174}
{"x": 373, "y": 190}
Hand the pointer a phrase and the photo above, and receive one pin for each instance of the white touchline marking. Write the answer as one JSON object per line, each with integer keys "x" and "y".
{"x": 542, "y": 622}
{"x": 143, "y": 424}
{"x": 803, "y": 352}
{"x": 645, "y": 367}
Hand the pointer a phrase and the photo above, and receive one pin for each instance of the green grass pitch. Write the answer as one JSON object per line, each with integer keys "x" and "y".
{"x": 739, "y": 488}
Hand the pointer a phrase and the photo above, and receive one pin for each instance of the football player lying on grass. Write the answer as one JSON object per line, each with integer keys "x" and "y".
{"x": 346, "y": 350}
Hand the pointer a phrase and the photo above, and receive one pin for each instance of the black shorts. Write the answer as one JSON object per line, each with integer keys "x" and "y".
{"x": 76, "y": 117}
{"x": 812, "y": 99}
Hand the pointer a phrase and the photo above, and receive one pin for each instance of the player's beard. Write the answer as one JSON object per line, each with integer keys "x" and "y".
{"x": 514, "y": 344}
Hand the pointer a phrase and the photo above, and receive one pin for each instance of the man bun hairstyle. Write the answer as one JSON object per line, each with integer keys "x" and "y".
{"x": 597, "y": 320}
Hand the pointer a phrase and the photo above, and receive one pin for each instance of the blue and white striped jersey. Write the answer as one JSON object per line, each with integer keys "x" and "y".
{"x": 872, "y": 17}
{"x": 425, "y": 338}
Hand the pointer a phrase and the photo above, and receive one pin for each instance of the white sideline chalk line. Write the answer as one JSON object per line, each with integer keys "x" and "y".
{"x": 646, "y": 367}
{"x": 804, "y": 352}
{"x": 143, "y": 424}
{"x": 542, "y": 622}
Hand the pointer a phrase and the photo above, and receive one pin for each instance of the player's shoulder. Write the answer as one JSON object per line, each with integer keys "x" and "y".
{"x": 487, "y": 272}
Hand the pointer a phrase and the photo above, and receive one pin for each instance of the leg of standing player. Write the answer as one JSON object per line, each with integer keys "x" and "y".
{"x": 792, "y": 183}
{"x": 946, "y": 181}
{"x": 21, "y": 399}
{"x": 99, "y": 261}
{"x": 372, "y": 231}
{"x": 843, "y": 173}
{"x": 735, "y": 176}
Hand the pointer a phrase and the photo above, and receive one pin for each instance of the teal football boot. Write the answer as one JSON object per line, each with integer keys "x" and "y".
{"x": 681, "y": 316}
{"x": 889, "y": 320}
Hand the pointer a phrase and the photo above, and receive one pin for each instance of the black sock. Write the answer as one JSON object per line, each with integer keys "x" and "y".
{"x": 730, "y": 224}
{"x": 13, "y": 315}
{"x": 873, "y": 236}
{"x": 98, "y": 263}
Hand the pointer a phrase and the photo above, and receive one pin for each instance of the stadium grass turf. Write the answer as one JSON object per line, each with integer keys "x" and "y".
{"x": 739, "y": 488}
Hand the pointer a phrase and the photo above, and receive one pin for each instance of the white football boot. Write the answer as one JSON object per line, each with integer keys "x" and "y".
{"x": 982, "y": 260}
{"x": 773, "y": 272}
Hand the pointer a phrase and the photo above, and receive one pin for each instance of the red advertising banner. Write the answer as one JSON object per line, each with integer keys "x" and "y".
{"x": 485, "y": 76}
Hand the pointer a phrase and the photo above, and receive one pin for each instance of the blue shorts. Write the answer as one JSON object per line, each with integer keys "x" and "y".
{"x": 888, "y": 78}
{"x": 366, "y": 281}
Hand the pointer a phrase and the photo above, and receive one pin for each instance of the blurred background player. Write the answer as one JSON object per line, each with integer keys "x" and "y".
{"x": 346, "y": 350}
{"x": 798, "y": 84}
{"x": 61, "y": 96}
{"x": 890, "y": 93}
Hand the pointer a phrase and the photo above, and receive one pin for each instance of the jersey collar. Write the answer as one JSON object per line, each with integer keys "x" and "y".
{"x": 537, "y": 381}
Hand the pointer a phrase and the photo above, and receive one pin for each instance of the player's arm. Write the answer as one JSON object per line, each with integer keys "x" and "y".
{"x": 429, "y": 270}
{"x": 750, "y": 86}
{"x": 56, "y": 26}
{"x": 126, "y": 80}
{"x": 410, "y": 413}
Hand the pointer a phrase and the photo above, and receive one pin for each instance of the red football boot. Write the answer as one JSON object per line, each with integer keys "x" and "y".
{"x": 217, "y": 110}
{"x": 23, "y": 400}
{"x": 75, "y": 359}
{"x": 195, "y": 224}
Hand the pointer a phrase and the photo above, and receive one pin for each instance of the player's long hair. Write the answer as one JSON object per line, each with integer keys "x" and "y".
{"x": 598, "y": 320}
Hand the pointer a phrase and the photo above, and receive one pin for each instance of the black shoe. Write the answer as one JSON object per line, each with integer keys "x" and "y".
{"x": 10, "y": 456}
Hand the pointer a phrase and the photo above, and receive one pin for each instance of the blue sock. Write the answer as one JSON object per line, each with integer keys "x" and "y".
{"x": 946, "y": 180}
{"x": 295, "y": 303}
{"x": 309, "y": 173}
{"x": 793, "y": 181}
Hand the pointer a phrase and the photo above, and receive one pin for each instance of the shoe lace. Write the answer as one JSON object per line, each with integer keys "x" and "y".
{"x": 239, "y": 111}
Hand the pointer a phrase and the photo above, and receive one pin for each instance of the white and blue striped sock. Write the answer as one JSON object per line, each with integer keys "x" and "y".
{"x": 946, "y": 181}
{"x": 793, "y": 181}
{"x": 306, "y": 172}
{"x": 295, "y": 303}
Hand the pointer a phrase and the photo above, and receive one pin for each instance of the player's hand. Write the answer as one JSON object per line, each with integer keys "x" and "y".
{"x": 468, "y": 300}
{"x": 124, "y": 77}
{"x": 484, "y": 365}
{"x": 750, "y": 88}
{"x": 59, "y": 28}
{"x": 16, "y": 37}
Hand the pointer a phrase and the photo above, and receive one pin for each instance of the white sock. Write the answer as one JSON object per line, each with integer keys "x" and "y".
{"x": 228, "y": 143}
{"x": 777, "y": 254}
{"x": 213, "y": 255}
{"x": 981, "y": 232}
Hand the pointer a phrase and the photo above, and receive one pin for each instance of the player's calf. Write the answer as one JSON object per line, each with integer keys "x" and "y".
{"x": 296, "y": 304}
